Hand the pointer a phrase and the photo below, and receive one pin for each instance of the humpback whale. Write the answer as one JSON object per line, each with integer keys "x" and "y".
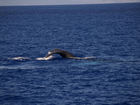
{"x": 64, "y": 54}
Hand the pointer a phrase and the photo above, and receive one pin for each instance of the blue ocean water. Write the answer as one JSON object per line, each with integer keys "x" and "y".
{"x": 110, "y": 32}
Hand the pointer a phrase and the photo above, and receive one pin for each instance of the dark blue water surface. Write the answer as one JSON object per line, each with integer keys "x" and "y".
{"x": 109, "y": 32}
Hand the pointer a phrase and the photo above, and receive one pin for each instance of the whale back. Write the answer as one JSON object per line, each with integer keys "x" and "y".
{"x": 62, "y": 53}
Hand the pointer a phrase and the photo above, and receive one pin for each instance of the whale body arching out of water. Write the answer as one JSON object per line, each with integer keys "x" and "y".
{"x": 63, "y": 53}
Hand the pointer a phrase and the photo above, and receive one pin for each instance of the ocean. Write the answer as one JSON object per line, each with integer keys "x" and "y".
{"x": 109, "y": 32}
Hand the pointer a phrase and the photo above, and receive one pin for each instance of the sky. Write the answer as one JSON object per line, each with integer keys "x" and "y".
{"x": 60, "y": 2}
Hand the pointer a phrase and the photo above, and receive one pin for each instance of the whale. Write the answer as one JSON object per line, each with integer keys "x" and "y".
{"x": 49, "y": 55}
{"x": 64, "y": 54}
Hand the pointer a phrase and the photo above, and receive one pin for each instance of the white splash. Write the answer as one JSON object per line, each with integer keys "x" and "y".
{"x": 45, "y": 58}
{"x": 19, "y": 58}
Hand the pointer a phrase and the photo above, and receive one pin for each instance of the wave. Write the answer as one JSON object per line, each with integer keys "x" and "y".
{"x": 22, "y": 67}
